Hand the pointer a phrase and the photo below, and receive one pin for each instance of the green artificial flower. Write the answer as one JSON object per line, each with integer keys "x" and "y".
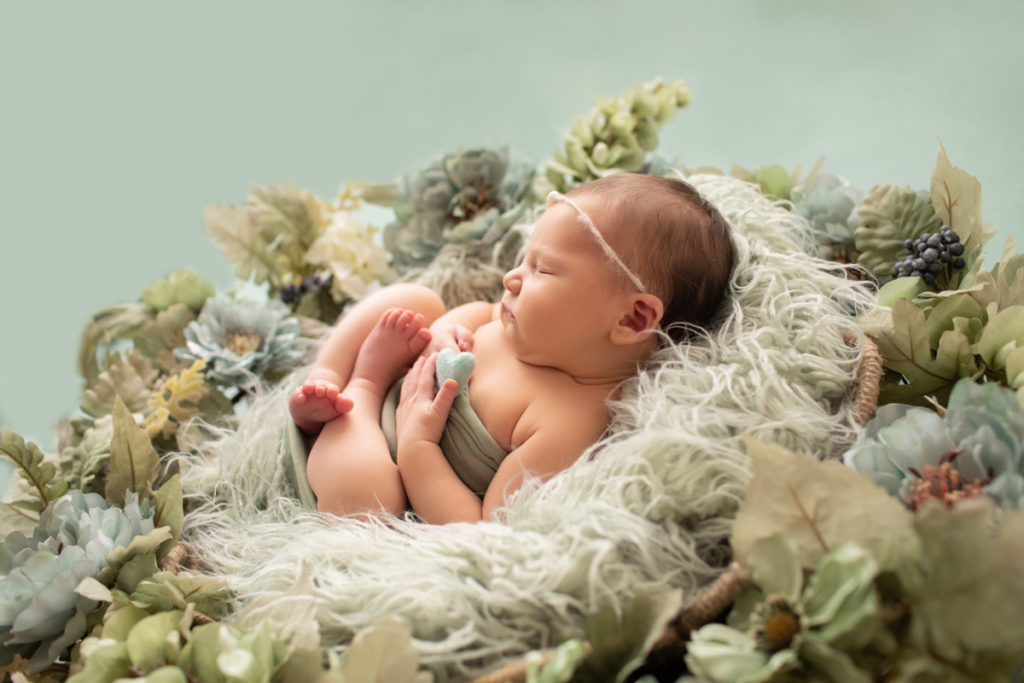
{"x": 242, "y": 340}
{"x": 975, "y": 449}
{"x": 453, "y": 228}
{"x": 617, "y": 135}
{"x": 180, "y": 287}
{"x": 472, "y": 196}
{"x": 39, "y": 608}
{"x": 829, "y": 203}
{"x": 794, "y": 625}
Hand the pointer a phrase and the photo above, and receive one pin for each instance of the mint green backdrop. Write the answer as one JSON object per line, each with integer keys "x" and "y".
{"x": 120, "y": 121}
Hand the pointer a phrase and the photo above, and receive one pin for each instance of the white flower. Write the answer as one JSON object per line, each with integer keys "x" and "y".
{"x": 356, "y": 262}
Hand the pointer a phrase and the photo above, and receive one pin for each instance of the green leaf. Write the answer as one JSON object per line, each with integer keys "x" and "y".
{"x": 169, "y": 511}
{"x": 967, "y": 600}
{"x": 119, "y": 322}
{"x": 134, "y": 571}
{"x": 956, "y": 196}
{"x": 94, "y": 590}
{"x": 906, "y": 349}
{"x": 619, "y": 642}
{"x": 165, "y": 332}
{"x": 107, "y": 662}
{"x": 1005, "y": 330}
{"x": 900, "y": 288}
{"x": 239, "y": 237}
{"x": 133, "y": 460}
{"x": 30, "y": 463}
{"x": 383, "y": 652}
{"x": 809, "y": 502}
{"x": 129, "y": 377}
{"x": 119, "y": 622}
{"x": 940, "y": 318}
{"x": 166, "y": 590}
{"x": 146, "y": 640}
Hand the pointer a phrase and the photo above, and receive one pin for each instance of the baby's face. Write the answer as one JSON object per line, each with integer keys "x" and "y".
{"x": 561, "y": 299}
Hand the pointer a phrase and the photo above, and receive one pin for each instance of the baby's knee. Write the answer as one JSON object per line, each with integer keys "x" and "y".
{"x": 419, "y": 299}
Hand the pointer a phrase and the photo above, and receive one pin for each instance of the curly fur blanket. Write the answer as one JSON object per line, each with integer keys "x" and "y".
{"x": 647, "y": 509}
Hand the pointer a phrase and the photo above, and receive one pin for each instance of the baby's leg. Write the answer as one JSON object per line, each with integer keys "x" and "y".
{"x": 319, "y": 398}
{"x": 350, "y": 468}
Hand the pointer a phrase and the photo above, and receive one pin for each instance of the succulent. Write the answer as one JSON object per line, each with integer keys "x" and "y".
{"x": 889, "y": 216}
{"x": 786, "y": 625}
{"x": 40, "y": 610}
{"x": 180, "y": 287}
{"x": 829, "y": 203}
{"x": 242, "y": 340}
{"x": 617, "y": 134}
{"x": 453, "y": 222}
{"x": 974, "y": 449}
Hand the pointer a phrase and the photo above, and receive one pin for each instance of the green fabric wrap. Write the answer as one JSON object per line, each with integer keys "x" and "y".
{"x": 466, "y": 443}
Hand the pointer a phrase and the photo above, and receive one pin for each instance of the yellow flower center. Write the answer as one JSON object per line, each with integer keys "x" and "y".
{"x": 242, "y": 342}
{"x": 776, "y": 624}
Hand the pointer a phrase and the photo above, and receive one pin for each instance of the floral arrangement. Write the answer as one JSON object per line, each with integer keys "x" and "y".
{"x": 901, "y": 563}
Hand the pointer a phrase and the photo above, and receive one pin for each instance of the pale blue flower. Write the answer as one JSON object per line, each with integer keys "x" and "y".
{"x": 976, "y": 447}
{"x": 242, "y": 340}
{"x": 40, "y": 613}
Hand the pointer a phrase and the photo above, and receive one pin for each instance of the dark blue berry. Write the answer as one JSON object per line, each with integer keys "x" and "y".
{"x": 929, "y": 278}
{"x": 956, "y": 249}
{"x": 959, "y": 263}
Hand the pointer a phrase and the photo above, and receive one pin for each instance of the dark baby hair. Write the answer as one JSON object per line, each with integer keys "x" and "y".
{"x": 674, "y": 239}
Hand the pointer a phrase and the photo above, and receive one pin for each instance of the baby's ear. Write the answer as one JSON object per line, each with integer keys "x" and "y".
{"x": 640, "y": 320}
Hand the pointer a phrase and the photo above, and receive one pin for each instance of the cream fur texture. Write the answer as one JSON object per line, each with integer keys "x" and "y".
{"x": 647, "y": 509}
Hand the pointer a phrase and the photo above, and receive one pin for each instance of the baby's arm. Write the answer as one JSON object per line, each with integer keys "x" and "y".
{"x": 558, "y": 437}
{"x": 455, "y": 328}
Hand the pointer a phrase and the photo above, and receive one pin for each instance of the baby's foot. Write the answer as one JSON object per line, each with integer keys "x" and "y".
{"x": 392, "y": 344}
{"x": 315, "y": 402}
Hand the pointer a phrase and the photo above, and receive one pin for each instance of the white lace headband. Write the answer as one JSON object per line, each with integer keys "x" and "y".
{"x": 609, "y": 252}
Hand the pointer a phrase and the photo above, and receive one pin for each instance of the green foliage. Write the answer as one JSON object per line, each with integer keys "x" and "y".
{"x": 118, "y": 322}
{"x": 933, "y": 340}
{"x": 133, "y": 460}
{"x": 31, "y": 464}
{"x": 184, "y": 287}
{"x": 268, "y": 237}
{"x": 129, "y": 377}
{"x": 809, "y": 502}
{"x": 888, "y": 217}
{"x": 965, "y": 601}
{"x": 775, "y": 181}
{"x": 617, "y": 134}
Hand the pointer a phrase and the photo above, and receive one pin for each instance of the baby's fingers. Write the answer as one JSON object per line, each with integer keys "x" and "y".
{"x": 463, "y": 338}
{"x": 445, "y": 396}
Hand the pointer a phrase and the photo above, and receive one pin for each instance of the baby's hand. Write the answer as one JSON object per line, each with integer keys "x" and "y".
{"x": 422, "y": 414}
{"x": 450, "y": 336}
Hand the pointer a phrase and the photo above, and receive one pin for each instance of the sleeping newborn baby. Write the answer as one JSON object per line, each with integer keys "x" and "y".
{"x": 610, "y": 270}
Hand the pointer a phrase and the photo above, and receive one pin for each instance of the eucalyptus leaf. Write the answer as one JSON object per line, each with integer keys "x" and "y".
{"x": 809, "y": 501}
{"x": 169, "y": 590}
{"x": 134, "y": 571}
{"x": 133, "y": 460}
{"x": 383, "y": 652}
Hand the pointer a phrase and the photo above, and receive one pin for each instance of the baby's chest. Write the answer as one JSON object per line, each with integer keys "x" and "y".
{"x": 500, "y": 396}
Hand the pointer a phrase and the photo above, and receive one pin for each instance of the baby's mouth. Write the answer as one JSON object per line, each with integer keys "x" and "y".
{"x": 506, "y": 313}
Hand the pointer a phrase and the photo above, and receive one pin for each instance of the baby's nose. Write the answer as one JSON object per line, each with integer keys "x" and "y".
{"x": 512, "y": 281}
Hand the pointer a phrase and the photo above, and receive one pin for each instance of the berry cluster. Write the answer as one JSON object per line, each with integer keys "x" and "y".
{"x": 931, "y": 254}
{"x": 292, "y": 293}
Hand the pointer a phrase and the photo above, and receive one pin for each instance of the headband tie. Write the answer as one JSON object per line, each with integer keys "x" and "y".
{"x": 607, "y": 248}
